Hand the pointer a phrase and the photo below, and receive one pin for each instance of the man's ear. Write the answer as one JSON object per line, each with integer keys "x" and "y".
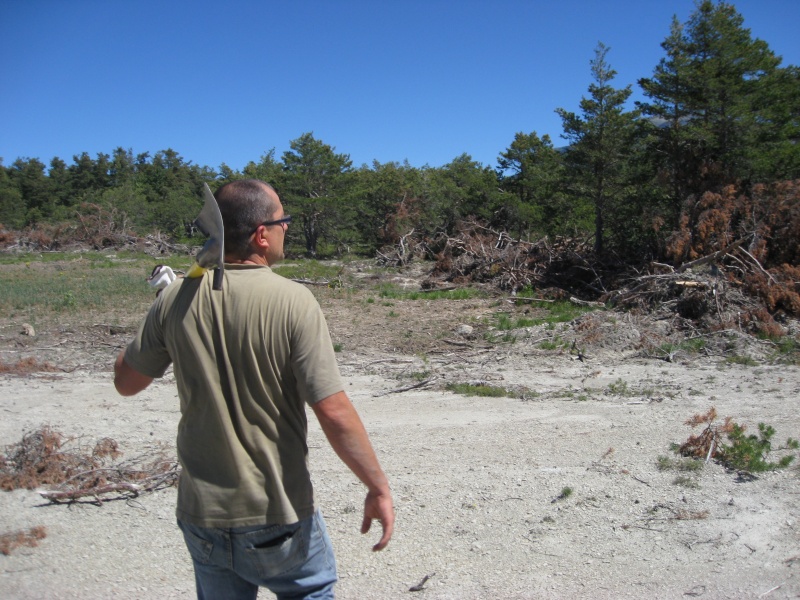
{"x": 260, "y": 240}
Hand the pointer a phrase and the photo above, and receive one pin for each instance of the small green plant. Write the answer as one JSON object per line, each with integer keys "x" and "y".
{"x": 737, "y": 359}
{"x": 468, "y": 389}
{"x": 420, "y": 375}
{"x": 749, "y": 452}
{"x": 388, "y": 290}
{"x": 746, "y": 453}
{"x": 506, "y": 323}
{"x": 393, "y": 314}
{"x": 619, "y": 388}
{"x": 666, "y": 463}
{"x": 685, "y": 481}
{"x": 566, "y": 492}
{"x": 337, "y": 347}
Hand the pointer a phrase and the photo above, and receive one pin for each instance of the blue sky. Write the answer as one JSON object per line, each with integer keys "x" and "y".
{"x": 224, "y": 82}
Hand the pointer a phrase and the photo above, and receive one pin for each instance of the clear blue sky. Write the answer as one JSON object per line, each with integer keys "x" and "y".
{"x": 224, "y": 82}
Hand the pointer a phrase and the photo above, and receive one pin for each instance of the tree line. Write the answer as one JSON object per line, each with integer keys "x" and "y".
{"x": 720, "y": 120}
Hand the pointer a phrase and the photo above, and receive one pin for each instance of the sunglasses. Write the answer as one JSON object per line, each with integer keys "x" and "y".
{"x": 286, "y": 219}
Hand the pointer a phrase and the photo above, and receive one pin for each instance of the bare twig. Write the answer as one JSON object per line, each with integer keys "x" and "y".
{"x": 405, "y": 389}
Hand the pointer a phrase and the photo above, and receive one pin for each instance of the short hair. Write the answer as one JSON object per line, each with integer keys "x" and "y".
{"x": 244, "y": 205}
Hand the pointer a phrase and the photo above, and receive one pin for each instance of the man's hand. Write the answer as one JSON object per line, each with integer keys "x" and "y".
{"x": 379, "y": 507}
{"x": 346, "y": 434}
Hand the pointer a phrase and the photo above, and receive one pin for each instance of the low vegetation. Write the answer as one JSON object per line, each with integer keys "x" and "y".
{"x": 741, "y": 452}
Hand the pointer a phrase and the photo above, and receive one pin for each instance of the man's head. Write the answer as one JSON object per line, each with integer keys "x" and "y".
{"x": 246, "y": 205}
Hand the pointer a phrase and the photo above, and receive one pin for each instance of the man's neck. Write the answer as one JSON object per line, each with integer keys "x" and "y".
{"x": 253, "y": 259}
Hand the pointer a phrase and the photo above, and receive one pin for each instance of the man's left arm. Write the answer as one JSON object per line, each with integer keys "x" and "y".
{"x": 128, "y": 380}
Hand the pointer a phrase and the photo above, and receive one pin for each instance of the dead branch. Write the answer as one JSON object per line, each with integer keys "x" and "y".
{"x": 758, "y": 266}
{"x": 404, "y": 389}
{"x": 312, "y": 282}
{"x": 56, "y": 496}
{"x": 713, "y": 256}
{"x": 41, "y": 459}
{"x": 580, "y": 302}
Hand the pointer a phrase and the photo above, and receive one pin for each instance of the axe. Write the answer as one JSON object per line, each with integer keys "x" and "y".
{"x": 211, "y": 255}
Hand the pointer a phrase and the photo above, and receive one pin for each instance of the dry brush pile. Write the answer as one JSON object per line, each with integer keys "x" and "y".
{"x": 733, "y": 263}
{"x": 70, "y": 470}
{"x": 93, "y": 227}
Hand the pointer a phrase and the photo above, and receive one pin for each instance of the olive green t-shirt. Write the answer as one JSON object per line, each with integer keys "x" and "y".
{"x": 247, "y": 359}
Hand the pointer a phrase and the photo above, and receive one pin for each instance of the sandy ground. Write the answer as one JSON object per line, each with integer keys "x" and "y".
{"x": 476, "y": 480}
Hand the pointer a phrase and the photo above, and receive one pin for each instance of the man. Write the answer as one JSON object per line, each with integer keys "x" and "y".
{"x": 246, "y": 361}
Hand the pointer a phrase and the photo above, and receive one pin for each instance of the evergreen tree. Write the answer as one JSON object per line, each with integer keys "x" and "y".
{"x": 720, "y": 106}
{"x": 531, "y": 172}
{"x": 315, "y": 190}
{"x": 601, "y": 140}
{"x": 388, "y": 201}
{"x": 12, "y": 208}
{"x": 28, "y": 176}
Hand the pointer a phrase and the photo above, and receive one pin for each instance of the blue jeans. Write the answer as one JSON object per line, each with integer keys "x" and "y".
{"x": 292, "y": 561}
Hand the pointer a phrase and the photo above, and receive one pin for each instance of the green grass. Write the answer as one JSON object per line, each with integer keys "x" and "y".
{"x": 313, "y": 270}
{"x": 737, "y": 359}
{"x": 787, "y": 349}
{"x": 690, "y": 346}
{"x": 619, "y": 388}
{"x": 666, "y": 463}
{"x": 506, "y": 323}
{"x": 560, "y": 311}
{"x": 566, "y": 492}
{"x": 393, "y": 292}
{"x": 687, "y": 482}
{"x": 34, "y": 289}
{"x": 468, "y": 389}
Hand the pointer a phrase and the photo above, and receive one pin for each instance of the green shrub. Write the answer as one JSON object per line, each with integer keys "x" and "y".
{"x": 749, "y": 452}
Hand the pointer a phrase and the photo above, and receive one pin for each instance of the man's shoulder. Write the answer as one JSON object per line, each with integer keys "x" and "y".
{"x": 277, "y": 284}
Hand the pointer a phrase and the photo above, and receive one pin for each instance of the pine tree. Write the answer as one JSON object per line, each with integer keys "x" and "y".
{"x": 719, "y": 104}
{"x": 601, "y": 141}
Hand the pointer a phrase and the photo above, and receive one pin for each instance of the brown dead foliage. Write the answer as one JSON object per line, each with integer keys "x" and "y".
{"x": 94, "y": 227}
{"x": 709, "y": 442}
{"x": 479, "y": 254}
{"x": 46, "y": 458}
{"x": 734, "y": 260}
{"x": 767, "y": 217}
{"x": 26, "y": 366}
{"x": 25, "y": 537}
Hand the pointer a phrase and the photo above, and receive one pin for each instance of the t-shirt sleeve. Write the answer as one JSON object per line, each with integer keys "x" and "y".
{"x": 313, "y": 359}
{"x": 147, "y": 353}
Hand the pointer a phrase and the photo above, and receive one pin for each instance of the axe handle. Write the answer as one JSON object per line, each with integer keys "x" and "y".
{"x": 217, "y": 279}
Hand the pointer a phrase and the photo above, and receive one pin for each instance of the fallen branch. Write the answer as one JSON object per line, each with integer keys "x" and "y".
{"x": 580, "y": 302}
{"x": 713, "y": 256}
{"x": 312, "y": 282}
{"x": 404, "y": 389}
{"x": 58, "y": 496}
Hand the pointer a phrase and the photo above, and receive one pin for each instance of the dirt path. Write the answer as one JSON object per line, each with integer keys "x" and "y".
{"x": 477, "y": 481}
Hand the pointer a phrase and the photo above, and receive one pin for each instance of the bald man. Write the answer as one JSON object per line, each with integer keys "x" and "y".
{"x": 247, "y": 359}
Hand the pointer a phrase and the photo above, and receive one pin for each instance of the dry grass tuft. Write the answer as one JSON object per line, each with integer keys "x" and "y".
{"x": 26, "y": 366}
{"x": 24, "y": 537}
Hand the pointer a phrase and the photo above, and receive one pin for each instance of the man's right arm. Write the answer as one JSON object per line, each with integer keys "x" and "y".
{"x": 128, "y": 380}
{"x": 345, "y": 432}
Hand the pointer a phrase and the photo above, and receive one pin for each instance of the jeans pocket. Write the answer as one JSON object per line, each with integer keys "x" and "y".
{"x": 275, "y": 550}
{"x": 200, "y": 549}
